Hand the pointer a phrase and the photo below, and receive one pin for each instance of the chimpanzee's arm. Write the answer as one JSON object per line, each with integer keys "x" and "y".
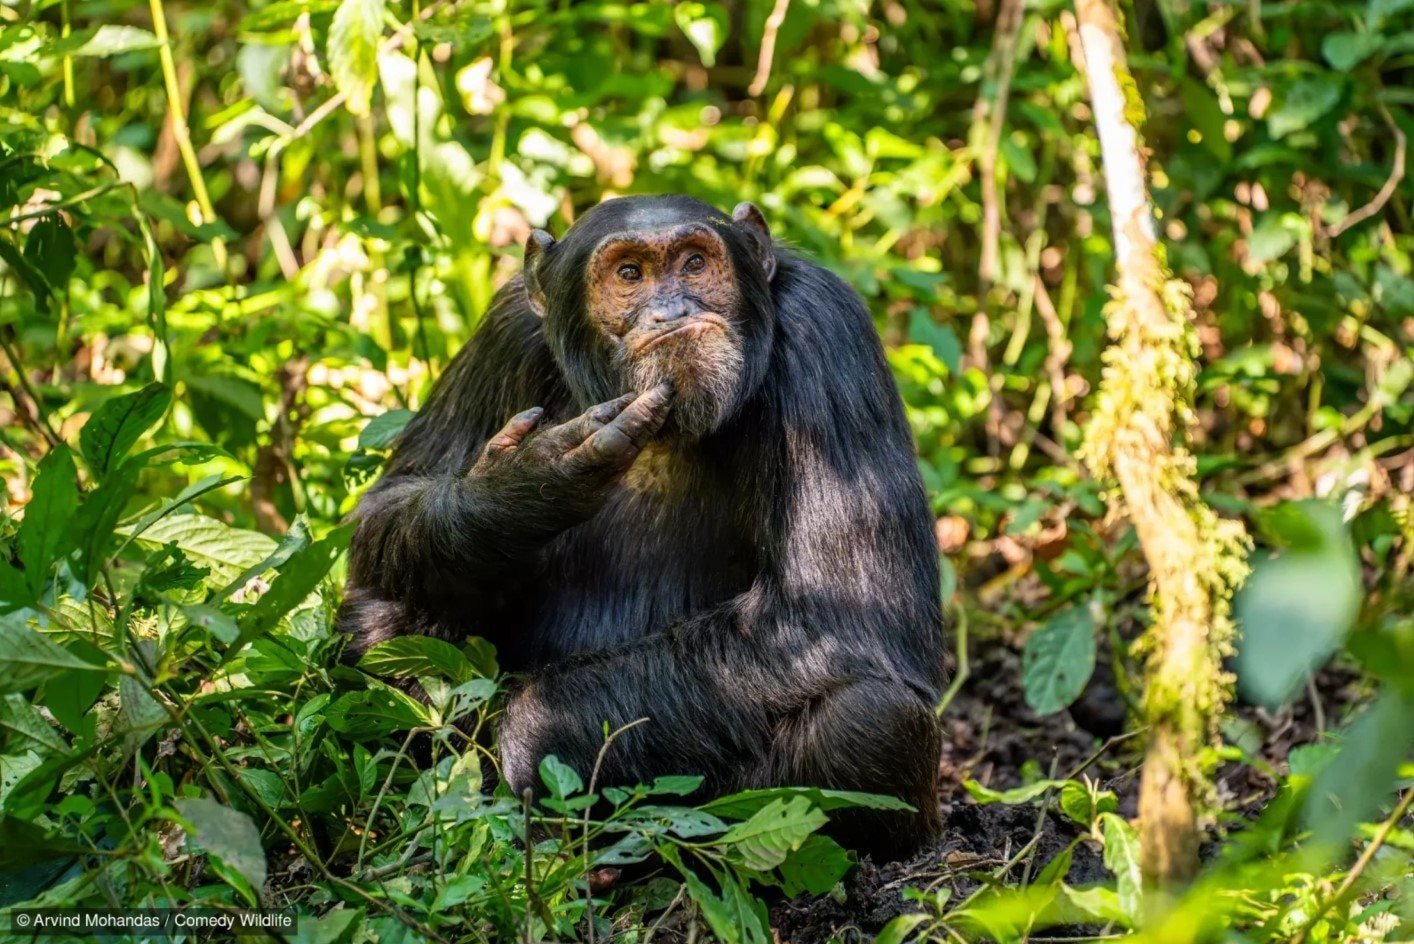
{"x": 429, "y": 535}
{"x": 849, "y": 596}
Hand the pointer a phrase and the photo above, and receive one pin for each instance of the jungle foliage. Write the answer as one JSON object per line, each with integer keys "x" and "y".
{"x": 243, "y": 237}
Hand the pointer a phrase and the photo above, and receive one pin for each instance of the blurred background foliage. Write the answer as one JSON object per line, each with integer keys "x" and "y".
{"x": 268, "y": 224}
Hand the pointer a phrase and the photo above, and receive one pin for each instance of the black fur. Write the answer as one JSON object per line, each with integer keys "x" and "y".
{"x": 774, "y": 611}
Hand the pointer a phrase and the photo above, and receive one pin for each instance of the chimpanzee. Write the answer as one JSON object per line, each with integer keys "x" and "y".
{"x": 738, "y": 549}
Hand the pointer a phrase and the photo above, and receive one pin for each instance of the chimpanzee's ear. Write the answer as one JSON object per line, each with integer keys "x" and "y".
{"x": 748, "y": 216}
{"x": 535, "y": 245}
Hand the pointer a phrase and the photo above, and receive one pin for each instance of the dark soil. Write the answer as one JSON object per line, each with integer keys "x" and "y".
{"x": 991, "y": 736}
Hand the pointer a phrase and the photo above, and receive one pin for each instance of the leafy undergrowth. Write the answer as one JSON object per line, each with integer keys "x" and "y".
{"x": 180, "y": 731}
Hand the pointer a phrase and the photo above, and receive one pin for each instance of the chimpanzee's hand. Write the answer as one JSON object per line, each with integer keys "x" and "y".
{"x": 561, "y": 475}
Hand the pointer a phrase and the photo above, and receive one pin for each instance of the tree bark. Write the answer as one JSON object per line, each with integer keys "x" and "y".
{"x": 1195, "y": 559}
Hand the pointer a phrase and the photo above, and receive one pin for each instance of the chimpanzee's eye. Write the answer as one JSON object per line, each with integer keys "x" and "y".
{"x": 630, "y": 272}
{"x": 695, "y": 263}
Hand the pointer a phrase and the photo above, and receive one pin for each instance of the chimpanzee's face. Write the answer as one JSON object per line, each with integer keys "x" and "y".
{"x": 644, "y": 290}
{"x": 668, "y": 300}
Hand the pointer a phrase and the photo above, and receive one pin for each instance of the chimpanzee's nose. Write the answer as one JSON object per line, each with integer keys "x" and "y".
{"x": 670, "y": 309}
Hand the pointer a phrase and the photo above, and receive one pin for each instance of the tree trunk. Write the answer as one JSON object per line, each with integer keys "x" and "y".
{"x": 1195, "y": 559}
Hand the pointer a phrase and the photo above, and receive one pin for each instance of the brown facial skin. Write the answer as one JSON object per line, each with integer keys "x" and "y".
{"x": 667, "y": 300}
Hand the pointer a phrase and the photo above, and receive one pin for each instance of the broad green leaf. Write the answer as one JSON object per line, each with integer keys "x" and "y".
{"x": 1303, "y": 103}
{"x": 296, "y": 539}
{"x": 1122, "y": 858}
{"x": 299, "y": 577}
{"x": 383, "y": 430}
{"x": 900, "y": 929}
{"x": 1296, "y": 608}
{"x": 941, "y": 338}
{"x": 748, "y": 802}
{"x": 227, "y": 834}
{"x": 1361, "y": 778}
{"x": 705, "y": 25}
{"x": 50, "y": 247}
{"x": 28, "y": 658}
{"x": 411, "y": 656}
{"x": 815, "y": 867}
{"x": 98, "y": 519}
{"x": 116, "y": 425}
{"x": 21, "y": 718}
{"x": 103, "y": 41}
{"x": 1018, "y": 158}
{"x": 24, "y": 844}
{"x": 678, "y": 785}
{"x": 764, "y": 841}
{"x": 227, "y": 551}
{"x": 734, "y": 916}
{"x": 46, "y": 533}
{"x": 354, "y": 36}
{"x": 1013, "y": 797}
{"x": 562, "y": 779}
{"x": 376, "y": 712}
{"x": 1271, "y": 239}
{"x": 1347, "y": 50}
{"x": 1082, "y": 804}
{"x": 1059, "y": 659}
{"x": 189, "y": 494}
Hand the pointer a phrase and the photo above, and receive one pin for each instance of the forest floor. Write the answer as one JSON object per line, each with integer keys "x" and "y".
{"x": 990, "y": 735}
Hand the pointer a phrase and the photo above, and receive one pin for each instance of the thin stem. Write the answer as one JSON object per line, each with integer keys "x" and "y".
{"x": 1358, "y": 869}
{"x": 181, "y": 131}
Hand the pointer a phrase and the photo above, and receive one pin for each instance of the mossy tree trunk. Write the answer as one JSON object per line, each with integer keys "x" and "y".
{"x": 1135, "y": 440}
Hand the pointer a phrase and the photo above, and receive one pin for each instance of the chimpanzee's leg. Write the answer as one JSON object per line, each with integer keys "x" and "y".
{"x": 873, "y": 736}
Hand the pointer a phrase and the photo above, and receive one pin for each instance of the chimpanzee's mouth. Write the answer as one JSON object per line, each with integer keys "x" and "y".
{"x": 691, "y": 327}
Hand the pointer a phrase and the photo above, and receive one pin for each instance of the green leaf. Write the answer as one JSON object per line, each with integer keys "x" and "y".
{"x": 116, "y": 425}
{"x": 229, "y": 835}
{"x": 1348, "y": 790}
{"x": 50, "y": 247}
{"x": 562, "y": 779}
{"x": 816, "y": 867}
{"x": 1345, "y": 51}
{"x": 1122, "y": 858}
{"x": 375, "y": 713}
{"x": 899, "y": 929}
{"x": 98, "y": 519}
{"x": 734, "y": 916}
{"x": 1082, "y": 804}
{"x": 1013, "y": 797}
{"x": 412, "y": 656}
{"x": 300, "y": 577}
{"x": 764, "y": 841}
{"x": 46, "y": 533}
{"x": 1271, "y": 239}
{"x": 705, "y": 25}
{"x": 1296, "y": 609}
{"x": 1303, "y": 103}
{"x": 748, "y": 802}
{"x": 104, "y": 41}
{"x": 383, "y": 430}
{"x": 296, "y": 539}
{"x": 1018, "y": 158}
{"x": 21, "y": 718}
{"x": 354, "y": 35}
{"x": 24, "y": 844}
{"x": 1059, "y": 659}
{"x": 28, "y": 658}
{"x": 941, "y": 338}
{"x": 225, "y": 550}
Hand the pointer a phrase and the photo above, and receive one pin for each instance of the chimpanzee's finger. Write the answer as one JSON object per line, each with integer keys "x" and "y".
{"x": 510, "y": 436}
{"x": 515, "y": 431}
{"x": 568, "y": 435}
{"x": 622, "y": 439}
